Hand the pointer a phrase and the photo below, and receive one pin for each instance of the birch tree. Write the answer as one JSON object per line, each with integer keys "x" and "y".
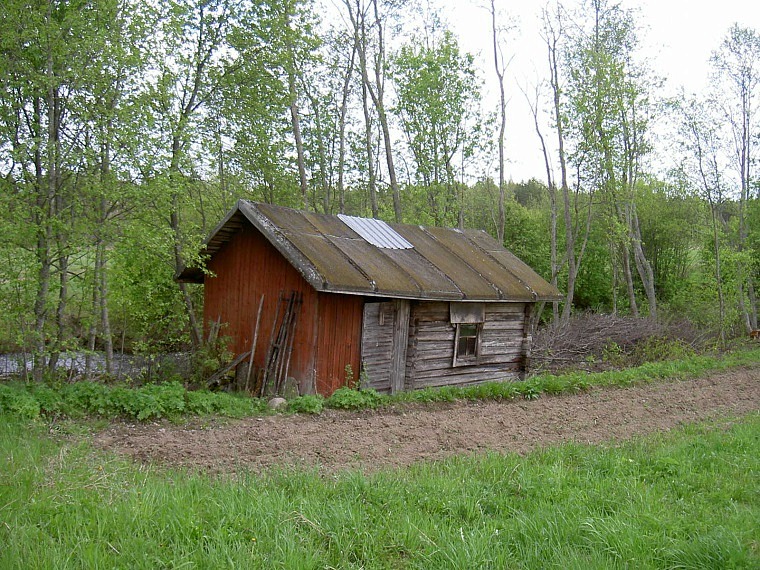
{"x": 607, "y": 109}
{"x": 737, "y": 84}
{"x": 438, "y": 99}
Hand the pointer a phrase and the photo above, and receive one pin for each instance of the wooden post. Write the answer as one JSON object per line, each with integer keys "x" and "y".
{"x": 527, "y": 341}
{"x": 400, "y": 340}
{"x": 253, "y": 343}
{"x": 291, "y": 339}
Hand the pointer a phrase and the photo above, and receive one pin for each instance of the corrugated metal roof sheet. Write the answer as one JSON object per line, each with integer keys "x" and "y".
{"x": 411, "y": 262}
{"x": 376, "y": 232}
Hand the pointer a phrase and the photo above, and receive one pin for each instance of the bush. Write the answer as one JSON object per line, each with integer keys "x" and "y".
{"x": 203, "y": 402}
{"x": 209, "y": 358}
{"x": 307, "y": 404}
{"x": 152, "y": 401}
{"x": 50, "y": 400}
{"x": 350, "y": 399}
{"x": 18, "y": 403}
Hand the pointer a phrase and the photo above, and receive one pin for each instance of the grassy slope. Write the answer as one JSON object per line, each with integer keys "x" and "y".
{"x": 689, "y": 499}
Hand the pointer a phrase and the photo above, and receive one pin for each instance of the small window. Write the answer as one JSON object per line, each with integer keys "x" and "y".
{"x": 468, "y": 340}
{"x": 467, "y": 344}
{"x": 468, "y": 319}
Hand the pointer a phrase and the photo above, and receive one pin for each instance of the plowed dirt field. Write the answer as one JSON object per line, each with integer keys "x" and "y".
{"x": 373, "y": 440}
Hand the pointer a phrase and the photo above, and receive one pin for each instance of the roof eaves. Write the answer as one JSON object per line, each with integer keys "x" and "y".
{"x": 536, "y": 295}
{"x": 270, "y": 231}
{"x": 191, "y": 274}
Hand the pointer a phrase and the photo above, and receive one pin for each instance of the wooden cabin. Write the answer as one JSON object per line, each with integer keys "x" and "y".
{"x": 407, "y": 306}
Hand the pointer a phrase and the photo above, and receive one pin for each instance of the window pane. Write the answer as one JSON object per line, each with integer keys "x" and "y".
{"x": 468, "y": 340}
{"x": 468, "y": 330}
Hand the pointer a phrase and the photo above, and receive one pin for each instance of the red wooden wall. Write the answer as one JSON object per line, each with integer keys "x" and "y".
{"x": 339, "y": 340}
{"x": 328, "y": 329}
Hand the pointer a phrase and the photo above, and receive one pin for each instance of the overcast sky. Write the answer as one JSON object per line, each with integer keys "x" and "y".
{"x": 677, "y": 36}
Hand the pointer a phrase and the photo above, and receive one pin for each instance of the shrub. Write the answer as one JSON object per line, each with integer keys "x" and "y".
{"x": 169, "y": 396}
{"x": 307, "y": 404}
{"x": 50, "y": 401}
{"x": 554, "y": 384}
{"x": 209, "y": 358}
{"x": 87, "y": 397}
{"x": 658, "y": 349}
{"x": 16, "y": 402}
{"x": 348, "y": 399}
{"x": 205, "y": 402}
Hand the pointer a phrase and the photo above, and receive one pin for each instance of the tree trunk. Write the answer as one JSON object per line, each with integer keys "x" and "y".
{"x": 629, "y": 279}
{"x": 342, "y": 130}
{"x": 643, "y": 266}
{"x": 92, "y": 330}
{"x": 196, "y": 338}
{"x": 718, "y": 275}
{"x": 499, "y": 68}
{"x": 195, "y": 330}
{"x": 552, "y": 206}
{"x": 377, "y": 99}
{"x": 371, "y": 180}
{"x": 573, "y": 265}
{"x": 105, "y": 320}
{"x": 615, "y": 278}
{"x": 296, "y": 124}
{"x": 43, "y": 222}
{"x": 60, "y": 312}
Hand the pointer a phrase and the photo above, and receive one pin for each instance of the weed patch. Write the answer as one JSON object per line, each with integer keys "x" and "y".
{"x": 151, "y": 401}
{"x": 306, "y": 404}
{"x": 346, "y": 398}
{"x": 172, "y": 400}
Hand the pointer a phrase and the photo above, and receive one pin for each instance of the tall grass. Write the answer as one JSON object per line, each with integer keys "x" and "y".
{"x": 689, "y": 499}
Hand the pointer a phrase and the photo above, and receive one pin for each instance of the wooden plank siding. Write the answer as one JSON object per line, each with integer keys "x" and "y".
{"x": 400, "y": 342}
{"x": 377, "y": 344}
{"x": 430, "y": 350}
{"x": 338, "y": 342}
{"x": 326, "y": 333}
{"x": 384, "y": 344}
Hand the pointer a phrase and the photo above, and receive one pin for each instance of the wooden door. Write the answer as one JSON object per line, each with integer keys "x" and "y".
{"x": 385, "y": 332}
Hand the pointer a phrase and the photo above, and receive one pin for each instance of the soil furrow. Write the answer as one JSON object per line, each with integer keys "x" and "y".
{"x": 396, "y": 437}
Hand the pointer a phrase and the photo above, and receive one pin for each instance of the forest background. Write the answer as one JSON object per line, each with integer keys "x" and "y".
{"x": 128, "y": 129}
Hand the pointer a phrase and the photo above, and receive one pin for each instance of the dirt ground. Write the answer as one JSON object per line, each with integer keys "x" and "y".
{"x": 372, "y": 440}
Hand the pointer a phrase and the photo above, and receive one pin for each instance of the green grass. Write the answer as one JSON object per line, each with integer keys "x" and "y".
{"x": 688, "y": 499}
{"x": 171, "y": 400}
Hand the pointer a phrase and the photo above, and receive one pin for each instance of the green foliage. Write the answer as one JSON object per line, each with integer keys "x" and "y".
{"x": 671, "y": 225}
{"x": 152, "y": 401}
{"x": 352, "y": 399}
{"x": 154, "y": 140}
{"x": 525, "y": 235}
{"x": 686, "y": 499}
{"x": 438, "y": 96}
{"x": 203, "y": 402}
{"x": 15, "y": 402}
{"x": 656, "y": 349}
{"x": 145, "y": 300}
{"x": 172, "y": 400}
{"x": 210, "y": 357}
{"x": 308, "y": 404}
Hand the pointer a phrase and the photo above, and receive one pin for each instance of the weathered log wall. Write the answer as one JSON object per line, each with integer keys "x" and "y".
{"x": 384, "y": 344}
{"x": 430, "y": 353}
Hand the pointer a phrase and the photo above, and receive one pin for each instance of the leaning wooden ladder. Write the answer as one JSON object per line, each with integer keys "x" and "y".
{"x": 277, "y": 363}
